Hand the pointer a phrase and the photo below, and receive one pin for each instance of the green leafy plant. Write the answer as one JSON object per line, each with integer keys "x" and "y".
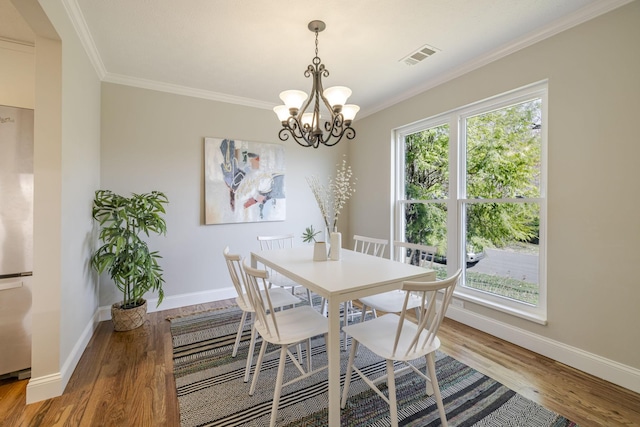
{"x": 124, "y": 255}
{"x": 309, "y": 234}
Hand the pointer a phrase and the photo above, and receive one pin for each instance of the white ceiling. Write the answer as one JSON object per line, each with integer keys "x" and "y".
{"x": 248, "y": 51}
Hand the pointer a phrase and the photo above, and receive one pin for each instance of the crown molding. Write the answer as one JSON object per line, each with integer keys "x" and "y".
{"x": 185, "y": 90}
{"x": 82, "y": 30}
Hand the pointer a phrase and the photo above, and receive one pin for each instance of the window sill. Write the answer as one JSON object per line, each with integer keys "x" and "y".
{"x": 534, "y": 315}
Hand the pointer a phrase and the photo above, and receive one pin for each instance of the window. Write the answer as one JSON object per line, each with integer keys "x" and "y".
{"x": 471, "y": 182}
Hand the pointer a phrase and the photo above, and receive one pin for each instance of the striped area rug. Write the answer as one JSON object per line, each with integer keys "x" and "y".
{"x": 211, "y": 391}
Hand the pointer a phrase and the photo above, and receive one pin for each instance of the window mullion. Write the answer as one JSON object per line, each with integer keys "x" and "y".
{"x": 455, "y": 192}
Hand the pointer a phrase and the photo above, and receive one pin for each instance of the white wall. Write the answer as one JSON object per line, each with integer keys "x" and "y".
{"x": 66, "y": 173}
{"x": 593, "y": 252}
{"x": 80, "y": 177}
{"x": 155, "y": 141}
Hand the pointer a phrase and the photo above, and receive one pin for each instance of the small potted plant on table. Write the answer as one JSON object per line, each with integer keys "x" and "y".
{"x": 319, "y": 248}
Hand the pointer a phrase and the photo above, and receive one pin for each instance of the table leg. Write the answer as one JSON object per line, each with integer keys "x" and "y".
{"x": 333, "y": 349}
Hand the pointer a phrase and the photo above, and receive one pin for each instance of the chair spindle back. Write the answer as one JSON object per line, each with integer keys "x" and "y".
{"x": 370, "y": 245}
{"x": 234, "y": 264}
{"x": 435, "y": 297}
{"x": 258, "y": 287}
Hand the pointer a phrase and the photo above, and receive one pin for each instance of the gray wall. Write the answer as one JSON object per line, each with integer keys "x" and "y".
{"x": 594, "y": 91}
{"x": 155, "y": 141}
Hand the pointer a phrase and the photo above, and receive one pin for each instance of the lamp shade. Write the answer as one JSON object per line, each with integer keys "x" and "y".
{"x": 337, "y": 95}
{"x": 307, "y": 119}
{"x": 282, "y": 112}
{"x": 293, "y": 98}
{"x": 349, "y": 111}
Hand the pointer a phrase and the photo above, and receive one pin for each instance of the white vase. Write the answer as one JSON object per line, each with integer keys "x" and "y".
{"x": 336, "y": 245}
{"x": 319, "y": 251}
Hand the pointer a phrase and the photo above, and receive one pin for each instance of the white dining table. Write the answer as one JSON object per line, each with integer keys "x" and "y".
{"x": 355, "y": 275}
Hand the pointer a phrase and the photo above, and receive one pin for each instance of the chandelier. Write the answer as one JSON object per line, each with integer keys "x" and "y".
{"x": 308, "y": 127}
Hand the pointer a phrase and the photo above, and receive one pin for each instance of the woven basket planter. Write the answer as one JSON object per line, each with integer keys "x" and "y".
{"x": 128, "y": 319}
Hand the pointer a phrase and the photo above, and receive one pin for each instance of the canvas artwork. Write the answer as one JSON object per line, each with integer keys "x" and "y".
{"x": 244, "y": 181}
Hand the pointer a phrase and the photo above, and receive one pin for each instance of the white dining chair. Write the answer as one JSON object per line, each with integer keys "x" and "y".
{"x": 392, "y": 301}
{"x": 369, "y": 245}
{"x": 281, "y": 241}
{"x": 285, "y": 328}
{"x": 279, "y": 297}
{"x": 398, "y": 339}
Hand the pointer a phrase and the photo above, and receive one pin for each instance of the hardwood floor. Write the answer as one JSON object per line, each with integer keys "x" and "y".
{"x": 125, "y": 379}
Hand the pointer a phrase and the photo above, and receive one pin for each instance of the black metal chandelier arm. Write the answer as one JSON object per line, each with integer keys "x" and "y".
{"x": 300, "y": 133}
{"x": 347, "y": 132}
{"x": 284, "y": 134}
{"x": 334, "y": 127}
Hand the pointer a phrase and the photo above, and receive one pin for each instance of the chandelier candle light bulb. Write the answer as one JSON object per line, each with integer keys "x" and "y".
{"x": 337, "y": 96}
{"x": 293, "y": 100}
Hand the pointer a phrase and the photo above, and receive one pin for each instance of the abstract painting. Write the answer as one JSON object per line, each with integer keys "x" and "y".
{"x": 243, "y": 181}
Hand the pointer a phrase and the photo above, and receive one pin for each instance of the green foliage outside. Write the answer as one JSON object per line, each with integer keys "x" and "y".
{"x": 426, "y": 178}
{"x": 502, "y": 161}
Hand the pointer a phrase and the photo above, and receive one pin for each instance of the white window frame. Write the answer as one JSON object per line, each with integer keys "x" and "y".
{"x": 457, "y": 201}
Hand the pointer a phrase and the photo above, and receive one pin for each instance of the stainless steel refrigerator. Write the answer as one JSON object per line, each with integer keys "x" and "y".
{"x": 16, "y": 239}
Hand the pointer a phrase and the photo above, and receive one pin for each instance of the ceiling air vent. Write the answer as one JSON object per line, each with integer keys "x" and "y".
{"x": 419, "y": 55}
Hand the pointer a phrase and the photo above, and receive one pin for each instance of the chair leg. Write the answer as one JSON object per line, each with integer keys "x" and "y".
{"x": 278, "y": 387}
{"x": 393, "y": 404}
{"x": 299, "y": 352}
{"x": 323, "y": 307}
{"x": 347, "y": 378}
{"x": 263, "y": 348}
{"x": 364, "y": 313}
{"x": 344, "y": 323}
{"x": 252, "y": 344}
{"x": 239, "y": 334}
{"x": 309, "y": 355}
{"x": 431, "y": 365}
{"x": 309, "y": 297}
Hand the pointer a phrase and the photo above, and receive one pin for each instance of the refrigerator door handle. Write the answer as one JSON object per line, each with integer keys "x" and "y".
{"x": 12, "y": 275}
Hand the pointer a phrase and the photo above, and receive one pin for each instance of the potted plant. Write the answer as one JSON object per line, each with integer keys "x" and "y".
{"x": 124, "y": 255}
{"x": 319, "y": 248}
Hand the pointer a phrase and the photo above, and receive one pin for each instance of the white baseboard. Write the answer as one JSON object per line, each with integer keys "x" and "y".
{"x": 46, "y": 387}
{"x": 609, "y": 370}
{"x": 49, "y": 386}
{"x": 178, "y": 301}
{"x": 52, "y": 385}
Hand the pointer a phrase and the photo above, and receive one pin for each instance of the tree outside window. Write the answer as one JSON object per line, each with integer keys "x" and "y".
{"x": 498, "y": 195}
